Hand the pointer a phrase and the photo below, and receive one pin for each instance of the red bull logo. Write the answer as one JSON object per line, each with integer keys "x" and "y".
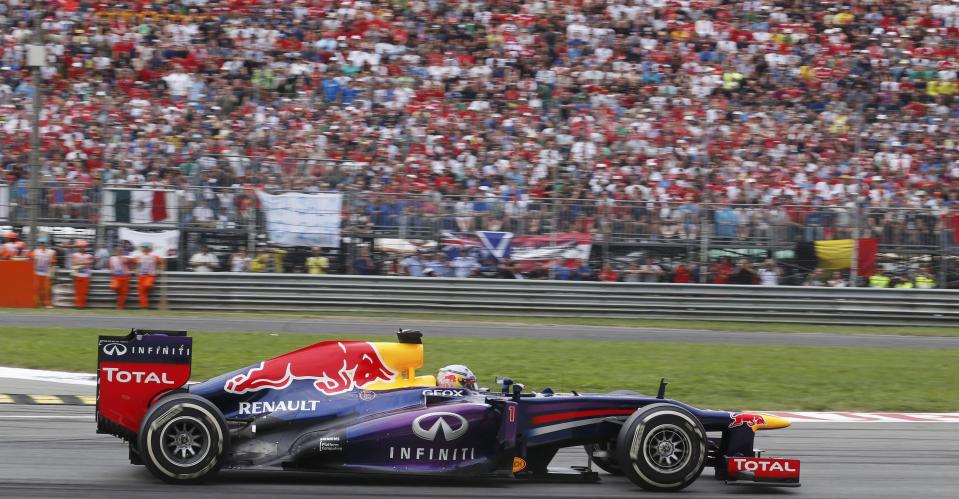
{"x": 335, "y": 367}
{"x": 747, "y": 419}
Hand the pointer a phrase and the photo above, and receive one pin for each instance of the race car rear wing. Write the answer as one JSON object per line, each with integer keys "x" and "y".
{"x": 133, "y": 370}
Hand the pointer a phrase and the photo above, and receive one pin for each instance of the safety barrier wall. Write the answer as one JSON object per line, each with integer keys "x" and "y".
{"x": 17, "y": 284}
{"x": 305, "y": 293}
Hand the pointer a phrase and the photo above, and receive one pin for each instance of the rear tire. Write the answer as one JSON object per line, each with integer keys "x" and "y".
{"x": 183, "y": 439}
{"x": 662, "y": 448}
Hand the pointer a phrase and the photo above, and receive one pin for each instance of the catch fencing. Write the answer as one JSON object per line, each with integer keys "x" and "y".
{"x": 314, "y": 293}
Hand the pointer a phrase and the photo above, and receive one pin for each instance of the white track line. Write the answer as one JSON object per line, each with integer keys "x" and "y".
{"x": 49, "y": 376}
{"x": 867, "y": 417}
{"x": 39, "y": 416}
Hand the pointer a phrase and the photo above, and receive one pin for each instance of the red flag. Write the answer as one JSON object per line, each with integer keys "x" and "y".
{"x": 866, "y": 250}
{"x": 955, "y": 228}
{"x": 158, "y": 211}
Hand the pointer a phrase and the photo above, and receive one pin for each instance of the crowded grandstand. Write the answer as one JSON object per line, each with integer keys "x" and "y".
{"x": 652, "y": 140}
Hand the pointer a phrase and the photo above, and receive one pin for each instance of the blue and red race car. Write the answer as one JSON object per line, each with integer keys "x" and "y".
{"x": 360, "y": 407}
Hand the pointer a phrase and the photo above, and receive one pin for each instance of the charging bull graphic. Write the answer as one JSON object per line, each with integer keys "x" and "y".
{"x": 348, "y": 365}
{"x": 749, "y": 420}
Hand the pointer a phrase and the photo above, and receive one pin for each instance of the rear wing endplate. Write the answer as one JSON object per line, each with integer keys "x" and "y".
{"x": 133, "y": 370}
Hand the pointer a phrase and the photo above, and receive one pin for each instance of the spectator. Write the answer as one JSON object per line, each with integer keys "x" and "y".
{"x": 744, "y": 273}
{"x": 268, "y": 260}
{"x": 489, "y": 267}
{"x": 44, "y": 267}
{"x": 682, "y": 274}
{"x": 148, "y": 266}
{"x": 81, "y": 265}
{"x": 507, "y": 269}
{"x": 607, "y": 274}
{"x": 650, "y": 271}
{"x": 363, "y": 264}
{"x": 439, "y": 266}
{"x": 317, "y": 264}
{"x": 836, "y": 280}
{"x": 465, "y": 265}
{"x": 9, "y": 246}
{"x": 240, "y": 261}
{"x": 727, "y": 222}
{"x": 902, "y": 281}
{"x": 101, "y": 257}
{"x": 722, "y": 270}
{"x": 561, "y": 272}
{"x": 879, "y": 280}
{"x": 769, "y": 273}
{"x": 583, "y": 271}
{"x": 632, "y": 273}
{"x": 20, "y": 252}
{"x": 924, "y": 279}
{"x": 412, "y": 265}
{"x": 815, "y": 278}
{"x": 204, "y": 261}
{"x": 119, "y": 266}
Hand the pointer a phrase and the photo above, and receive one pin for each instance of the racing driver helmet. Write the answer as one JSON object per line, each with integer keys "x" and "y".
{"x": 456, "y": 376}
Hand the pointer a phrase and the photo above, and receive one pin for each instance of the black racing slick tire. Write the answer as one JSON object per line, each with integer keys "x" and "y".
{"x": 183, "y": 439}
{"x": 662, "y": 448}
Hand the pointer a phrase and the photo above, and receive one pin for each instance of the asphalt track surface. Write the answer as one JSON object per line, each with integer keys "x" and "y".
{"x": 52, "y": 451}
{"x": 463, "y": 329}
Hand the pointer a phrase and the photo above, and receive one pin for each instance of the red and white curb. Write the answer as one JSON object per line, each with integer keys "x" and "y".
{"x": 868, "y": 417}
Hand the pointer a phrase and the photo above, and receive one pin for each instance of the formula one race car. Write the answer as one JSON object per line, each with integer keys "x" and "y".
{"x": 359, "y": 407}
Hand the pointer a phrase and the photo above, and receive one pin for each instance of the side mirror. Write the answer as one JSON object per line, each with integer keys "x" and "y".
{"x": 517, "y": 390}
{"x": 506, "y": 382}
{"x": 661, "y": 394}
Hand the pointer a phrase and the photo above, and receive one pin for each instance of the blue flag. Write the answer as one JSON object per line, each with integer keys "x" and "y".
{"x": 497, "y": 243}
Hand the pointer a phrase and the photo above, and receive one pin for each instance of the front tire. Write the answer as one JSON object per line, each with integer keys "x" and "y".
{"x": 183, "y": 439}
{"x": 662, "y": 448}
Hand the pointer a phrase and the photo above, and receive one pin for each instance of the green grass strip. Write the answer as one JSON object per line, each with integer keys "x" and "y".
{"x": 724, "y": 377}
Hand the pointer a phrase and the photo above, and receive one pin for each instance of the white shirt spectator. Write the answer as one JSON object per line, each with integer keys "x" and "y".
{"x": 413, "y": 266}
{"x": 179, "y": 83}
{"x": 768, "y": 277}
{"x": 464, "y": 266}
{"x": 239, "y": 262}
{"x": 204, "y": 262}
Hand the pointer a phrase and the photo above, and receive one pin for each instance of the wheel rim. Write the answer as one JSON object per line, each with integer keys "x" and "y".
{"x": 185, "y": 441}
{"x": 666, "y": 448}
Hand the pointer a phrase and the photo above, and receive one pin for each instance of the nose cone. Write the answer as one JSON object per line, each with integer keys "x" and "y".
{"x": 772, "y": 423}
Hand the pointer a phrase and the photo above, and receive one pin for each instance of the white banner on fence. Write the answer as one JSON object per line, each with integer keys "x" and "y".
{"x": 4, "y": 202}
{"x": 165, "y": 243}
{"x": 297, "y": 219}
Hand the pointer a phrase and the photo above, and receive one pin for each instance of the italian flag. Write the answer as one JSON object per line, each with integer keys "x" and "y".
{"x": 139, "y": 206}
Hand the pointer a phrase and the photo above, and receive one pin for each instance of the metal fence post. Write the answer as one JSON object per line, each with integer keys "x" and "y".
{"x": 251, "y": 227}
{"x": 36, "y": 54}
{"x": 854, "y": 265}
{"x": 703, "y": 245}
{"x": 943, "y": 275}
